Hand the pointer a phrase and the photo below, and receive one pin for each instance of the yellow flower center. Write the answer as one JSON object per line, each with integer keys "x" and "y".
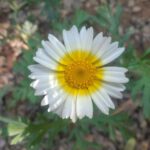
{"x": 80, "y": 72}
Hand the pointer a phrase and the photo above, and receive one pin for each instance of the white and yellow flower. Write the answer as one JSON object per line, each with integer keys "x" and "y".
{"x": 72, "y": 76}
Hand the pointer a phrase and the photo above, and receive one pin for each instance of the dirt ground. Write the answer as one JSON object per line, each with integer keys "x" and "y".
{"x": 136, "y": 15}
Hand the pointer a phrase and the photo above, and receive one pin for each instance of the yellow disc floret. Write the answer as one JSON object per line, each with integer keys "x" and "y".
{"x": 79, "y": 74}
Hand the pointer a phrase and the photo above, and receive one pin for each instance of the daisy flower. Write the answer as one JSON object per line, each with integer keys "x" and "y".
{"x": 72, "y": 76}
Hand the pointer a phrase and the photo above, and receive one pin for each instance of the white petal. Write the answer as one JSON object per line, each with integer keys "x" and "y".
{"x": 68, "y": 40}
{"x": 50, "y": 51}
{"x": 56, "y": 100}
{"x": 44, "y": 60}
{"x": 100, "y": 104}
{"x": 113, "y": 92}
{"x": 45, "y": 101}
{"x": 49, "y": 64}
{"x": 41, "y": 75}
{"x": 89, "y": 39}
{"x": 115, "y": 86}
{"x": 115, "y": 77}
{"x": 97, "y": 42}
{"x": 59, "y": 109}
{"x": 57, "y": 45}
{"x": 104, "y": 47}
{"x": 39, "y": 72}
{"x": 38, "y": 76}
{"x": 86, "y": 37}
{"x": 42, "y": 90}
{"x": 39, "y": 83}
{"x": 83, "y": 37}
{"x": 84, "y": 106}
{"x": 67, "y": 108}
{"x": 115, "y": 69}
{"x": 112, "y": 56}
{"x": 72, "y": 39}
{"x": 43, "y": 80}
{"x": 113, "y": 46}
{"x": 73, "y": 116}
{"x": 117, "y": 95}
{"x": 54, "y": 95}
{"x": 75, "y": 35}
{"x": 42, "y": 87}
{"x": 106, "y": 99}
{"x": 37, "y": 68}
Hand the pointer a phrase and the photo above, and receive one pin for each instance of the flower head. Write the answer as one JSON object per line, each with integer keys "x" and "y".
{"x": 72, "y": 76}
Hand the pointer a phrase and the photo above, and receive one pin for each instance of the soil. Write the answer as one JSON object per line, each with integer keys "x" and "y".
{"x": 136, "y": 15}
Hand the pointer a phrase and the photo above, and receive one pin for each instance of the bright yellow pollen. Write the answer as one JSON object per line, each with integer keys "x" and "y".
{"x": 80, "y": 72}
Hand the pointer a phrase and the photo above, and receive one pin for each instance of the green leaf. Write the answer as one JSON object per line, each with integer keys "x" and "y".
{"x": 108, "y": 19}
{"x": 36, "y": 131}
{"x": 17, "y": 139}
{"x": 125, "y": 37}
{"x": 147, "y": 53}
{"x": 131, "y": 143}
{"x": 7, "y": 120}
{"x": 115, "y": 20}
{"x": 141, "y": 68}
{"x": 146, "y": 99}
{"x": 16, "y": 128}
{"x": 104, "y": 12}
{"x": 4, "y": 91}
{"x": 23, "y": 91}
{"x": 112, "y": 134}
{"x": 82, "y": 144}
{"x": 80, "y": 17}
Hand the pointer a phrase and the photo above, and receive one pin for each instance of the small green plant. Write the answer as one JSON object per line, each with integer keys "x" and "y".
{"x": 140, "y": 84}
{"x": 110, "y": 21}
{"x": 47, "y": 128}
{"x": 23, "y": 91}
{"x": 138, "y": 65}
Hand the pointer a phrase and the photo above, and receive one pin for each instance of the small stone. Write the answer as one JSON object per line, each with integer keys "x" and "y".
{"x": 2, "y": 143}
{"x": 136, "y": 9}
{"x": 2, "y": 61}
{"x": 131, "y": 3}
{"x": 145, "y": 145}
{"x": 146, "y": 31}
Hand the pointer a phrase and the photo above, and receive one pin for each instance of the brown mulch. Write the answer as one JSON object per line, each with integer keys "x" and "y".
{"x": 136, "y": 15}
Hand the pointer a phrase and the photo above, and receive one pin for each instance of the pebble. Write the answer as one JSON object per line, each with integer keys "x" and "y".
{"x": 2, "y": 143}
{"x": 2, "y": 61}
{"x": 136, "y": 9}
{"x": 131, "y": 3}
{"x": 146, "y": 31}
